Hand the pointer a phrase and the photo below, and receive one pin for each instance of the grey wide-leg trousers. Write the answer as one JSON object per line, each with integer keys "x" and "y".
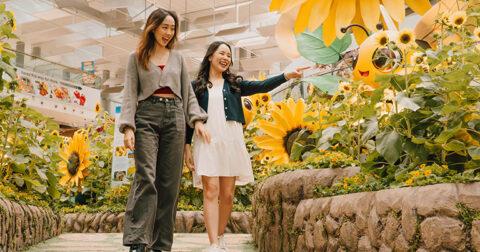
{"x": 152, "y": 202}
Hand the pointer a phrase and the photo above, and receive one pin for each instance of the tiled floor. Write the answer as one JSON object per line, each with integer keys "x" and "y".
{"x": 113, "y": 242}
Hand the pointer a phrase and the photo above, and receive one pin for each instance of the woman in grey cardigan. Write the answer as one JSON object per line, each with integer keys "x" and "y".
{"x": 157, "y": 102}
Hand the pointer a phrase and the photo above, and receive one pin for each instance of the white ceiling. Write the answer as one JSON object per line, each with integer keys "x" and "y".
{"x": 72, "y": 31}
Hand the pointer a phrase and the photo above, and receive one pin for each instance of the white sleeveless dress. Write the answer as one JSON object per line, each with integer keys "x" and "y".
{"x": 226, "y": 155}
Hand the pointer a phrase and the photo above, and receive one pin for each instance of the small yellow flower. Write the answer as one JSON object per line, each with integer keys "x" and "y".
{"x": 406, "y": 38}
{"x": 415, "y": 173}
{"x": 422, "y": 166}
{"x": 427, "y": 172}
{"x": 365, "y": 88}
{"x": 382, "y": 38}
{"x": 476, "y": 34}
{"x": 458, "y": 19}
{"x": 445, "y": 19}
{"x": 409, "y": 182}
{"x": 55, "y": 133}
{"x": 419, "y": 58}
{"x": 345, "y": 185}
{"x": 345, "y": 87}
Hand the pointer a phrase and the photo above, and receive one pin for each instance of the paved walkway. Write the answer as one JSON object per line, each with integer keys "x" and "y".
{"x": 113, "y": 242}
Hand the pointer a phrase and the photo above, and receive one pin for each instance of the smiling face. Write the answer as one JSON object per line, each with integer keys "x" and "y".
{"x": 165, "y": 31}
{"x": 221, "y": 59}
{"x": 374, "y": 60}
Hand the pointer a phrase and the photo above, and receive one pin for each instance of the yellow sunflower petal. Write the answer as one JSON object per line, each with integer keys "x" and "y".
{"x": 370, "y": 10}
{"x": 419, "y": 6}
{"x": 319, "y": 14}
{"x": 359, "y": 33}
{"x": 271, "y": 129}
{"x": 275, "y": 5}
{"x": 345, "y": 12}
{"x": 271, "y": 144}
{"x": 258, "y": 139}
{"x": 289, "y": 112}
{"x": 329, "y": 29}
{"x": 290, "y": 4}
{"x": 396, "y": 9}
{"x": 303, "y": 16}
{"x": 281, "y": 120}
{"x": 299, "y": 110}
{"x": 64, "y": 180}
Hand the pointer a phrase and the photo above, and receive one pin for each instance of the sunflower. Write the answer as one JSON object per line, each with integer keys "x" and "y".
{"x": 458, "y": 19}
{"x": 97, "y": 108}
{"x": 476, "y": 34}
{"x": 55, "y": 133}
{"x": 337, "y": 14}
{"x": 75, "y": 161}
{"x": 280, "y": 134}
{"x": 382, "y": 38}
{"x": 345, "y": 87}
{"x": 419, "y": 58}
{"x": 406, "y": 38}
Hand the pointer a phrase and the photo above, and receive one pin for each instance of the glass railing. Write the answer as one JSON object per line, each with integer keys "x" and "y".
{"x": 56, "y": 70}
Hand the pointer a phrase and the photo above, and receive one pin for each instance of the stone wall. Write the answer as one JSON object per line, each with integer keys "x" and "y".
{"x": 425, "y": 218}
{"x": 186, "y": 222}
{"x": 276, "y": 199}
{"x": 23, "y": 225}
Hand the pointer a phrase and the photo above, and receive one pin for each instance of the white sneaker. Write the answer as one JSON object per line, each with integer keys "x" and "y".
{"x": 222, "y": 243}
{"x": 214, "y": 248}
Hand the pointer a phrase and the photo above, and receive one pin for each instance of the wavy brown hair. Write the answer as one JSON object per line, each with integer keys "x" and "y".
{"x": 202, "y": 82}
{"x": 147, "y": 42}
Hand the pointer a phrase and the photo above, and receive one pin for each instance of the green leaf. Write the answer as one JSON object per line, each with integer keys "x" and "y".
{"x": 326, "y": 83}
{"x": 389, "y": 145}
{"x": 328, "y": 133}
{"x": 370, "y": 131}
{"x": 41, "y": 174}
{"x": 37, "y": 151}
{"x": 27, "y": 124}
{"x": 312, "y": 47}
{"x": 447, "y": 134}
{"x": 19, "y": 168}
{"x": 406, "y": 102}
{"x": 20, "y": 159}
{"x": 474, "y": 152}
{"x": 415, "y": 151}
{"x": 454, "y": 145}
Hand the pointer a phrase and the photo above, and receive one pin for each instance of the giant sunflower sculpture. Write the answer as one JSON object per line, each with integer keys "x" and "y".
{"x": 336, "y": 14}
{"x": 280, "y": 134}
{"x": 75, "y": 161}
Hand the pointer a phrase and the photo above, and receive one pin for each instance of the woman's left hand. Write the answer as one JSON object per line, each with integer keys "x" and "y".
{"x": 201, "y": 131}
{"x": 298, "y": 73}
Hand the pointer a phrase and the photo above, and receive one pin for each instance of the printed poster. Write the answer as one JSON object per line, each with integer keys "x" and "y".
{"x": 123, "y": 163}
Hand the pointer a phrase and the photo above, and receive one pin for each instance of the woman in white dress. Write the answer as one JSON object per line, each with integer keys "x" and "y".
{"x": 223, "y": 162}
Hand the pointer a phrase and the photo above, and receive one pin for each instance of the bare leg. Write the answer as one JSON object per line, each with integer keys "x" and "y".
{"x": 210, "y": 207}
{"x": 227, "y": 191}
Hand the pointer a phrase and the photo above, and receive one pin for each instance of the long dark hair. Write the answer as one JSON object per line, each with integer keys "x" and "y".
{"x": 148, "y": 41}
{"x": 202, "y": 82}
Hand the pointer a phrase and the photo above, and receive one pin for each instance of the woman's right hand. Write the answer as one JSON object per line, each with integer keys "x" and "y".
{"x": 129, "y": 139}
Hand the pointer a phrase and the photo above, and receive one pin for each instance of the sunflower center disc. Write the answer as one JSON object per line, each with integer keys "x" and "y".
{"x": 73, "y": 163}
{"x": 290, "y": 139}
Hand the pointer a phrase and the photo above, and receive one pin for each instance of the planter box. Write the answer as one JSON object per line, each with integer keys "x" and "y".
{"x": 405, "y": 219}
{"x": 186, "y": 222}
{"x": 23, "y": 225}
